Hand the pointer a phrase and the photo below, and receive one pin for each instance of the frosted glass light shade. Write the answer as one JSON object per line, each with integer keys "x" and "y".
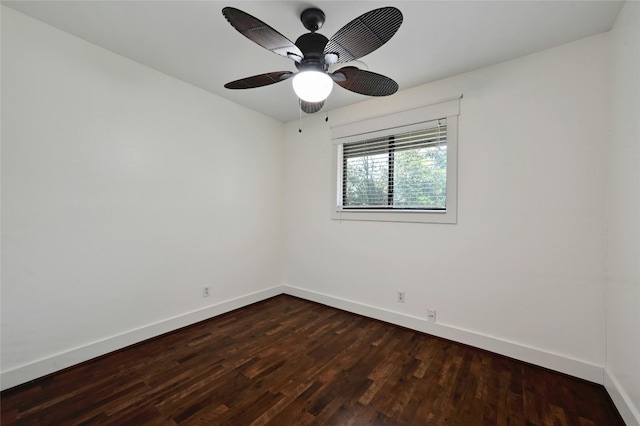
{"x": 312, "y": 86}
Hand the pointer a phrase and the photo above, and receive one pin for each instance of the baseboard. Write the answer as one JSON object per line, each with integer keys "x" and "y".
{"x": 60, "y": 361}
{"x": 573, "y": 367}
{"x": 629, "y": 413}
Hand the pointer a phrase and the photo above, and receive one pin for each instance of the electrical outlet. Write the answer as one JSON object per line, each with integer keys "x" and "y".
{"x": 401, "y": 296}
{"x": 205, "y": 291}
{"x": 431, "y": 315}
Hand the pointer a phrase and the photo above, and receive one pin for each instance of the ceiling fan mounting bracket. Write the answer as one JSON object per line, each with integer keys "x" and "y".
{"x": 312, "y": 19}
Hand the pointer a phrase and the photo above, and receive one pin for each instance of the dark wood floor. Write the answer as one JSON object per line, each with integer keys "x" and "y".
{"x": 286, "y": 361}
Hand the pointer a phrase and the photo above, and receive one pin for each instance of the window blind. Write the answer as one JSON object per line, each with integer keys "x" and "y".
{"x": 410, "y": 140}
{"x": 398, "y": 171}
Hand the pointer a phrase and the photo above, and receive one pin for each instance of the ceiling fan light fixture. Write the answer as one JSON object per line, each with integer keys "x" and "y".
{"x": 312, "y": 86}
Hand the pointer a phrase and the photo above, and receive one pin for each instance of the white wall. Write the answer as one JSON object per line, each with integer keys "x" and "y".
{"x": 124, "y": 191}
{"x": 114, "y": 213}
{"x": 525, "y": 263}
{"x": 623, "y": 214}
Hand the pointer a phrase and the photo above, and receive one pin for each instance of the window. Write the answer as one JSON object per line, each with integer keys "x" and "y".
{"x": 402, "y": 170}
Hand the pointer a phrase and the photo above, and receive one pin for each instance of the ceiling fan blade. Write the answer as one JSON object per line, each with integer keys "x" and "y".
{"x": 259, "y": 80}
{"x": 365, "y": 82}
{"x": 311, "y": 107}
{"x": 364, "y": 34}
{"x": 261, "y": 33}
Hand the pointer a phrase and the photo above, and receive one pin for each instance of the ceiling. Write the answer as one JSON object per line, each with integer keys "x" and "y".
{"x": 192, "y": 41}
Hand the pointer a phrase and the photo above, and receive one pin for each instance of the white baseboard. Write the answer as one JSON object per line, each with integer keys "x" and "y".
{"x": 623, "y": 403}
{"x": 573, "y": 367}
{"x": 60, "y": 361}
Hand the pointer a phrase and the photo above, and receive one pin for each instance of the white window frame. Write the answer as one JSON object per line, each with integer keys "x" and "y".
{"x": 387, "y": 125}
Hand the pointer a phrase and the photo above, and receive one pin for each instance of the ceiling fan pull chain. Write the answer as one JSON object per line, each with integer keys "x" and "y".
{"x": 326, "y": 111}
{"x": 300, "y": 115}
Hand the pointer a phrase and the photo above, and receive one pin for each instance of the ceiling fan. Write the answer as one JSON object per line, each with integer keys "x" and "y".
{"x": 314, "y": 54}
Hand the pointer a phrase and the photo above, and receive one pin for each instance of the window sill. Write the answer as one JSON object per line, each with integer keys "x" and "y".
{"x": 431, "y": 216}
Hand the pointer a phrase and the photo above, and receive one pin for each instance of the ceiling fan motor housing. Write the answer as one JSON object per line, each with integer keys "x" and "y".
{"x": 312, "y": 46}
